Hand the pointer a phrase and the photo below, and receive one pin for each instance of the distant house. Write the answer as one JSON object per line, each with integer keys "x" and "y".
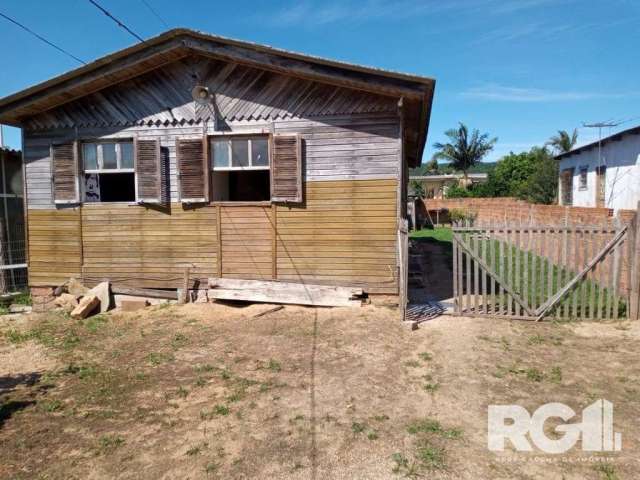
{"x": 602, "y": 174}
{"x": 229, "y": 158}
{"x": 436, "y": 186}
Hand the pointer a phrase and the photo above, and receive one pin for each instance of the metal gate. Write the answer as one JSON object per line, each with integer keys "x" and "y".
{"x": 537, "y": 271}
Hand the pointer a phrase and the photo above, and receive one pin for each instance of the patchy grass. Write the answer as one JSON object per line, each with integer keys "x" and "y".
{"x": 335, "y": 393}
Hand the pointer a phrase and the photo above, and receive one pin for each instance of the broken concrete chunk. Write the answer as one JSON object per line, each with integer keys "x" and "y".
{"x": 103, "y": 292}
{"x": 87, "y": 305}
{"x": 133, "y": 305}
{"x": 75, "y": 287}
{"x": 66, "y": 301}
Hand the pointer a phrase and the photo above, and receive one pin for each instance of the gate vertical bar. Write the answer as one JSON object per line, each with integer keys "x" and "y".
{"x": 454, "y": 271}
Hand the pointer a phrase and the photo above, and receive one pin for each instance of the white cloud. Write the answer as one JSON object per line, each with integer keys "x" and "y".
{"x": 501, "y": 93}
{"x": 319, "y": 13}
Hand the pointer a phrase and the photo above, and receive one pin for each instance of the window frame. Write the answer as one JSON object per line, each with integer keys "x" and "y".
{"x": 103, "y": 171}
{"x": 229, "y": 139}
{"x": 100, "y": 156}
{"x": 583, "y": 174}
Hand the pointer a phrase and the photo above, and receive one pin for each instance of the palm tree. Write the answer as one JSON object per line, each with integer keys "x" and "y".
{"x": 464, "y": 151}
{"x": 563, "y": 142}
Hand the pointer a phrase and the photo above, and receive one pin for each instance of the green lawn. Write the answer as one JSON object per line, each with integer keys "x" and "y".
{"x": 438, "y": 234}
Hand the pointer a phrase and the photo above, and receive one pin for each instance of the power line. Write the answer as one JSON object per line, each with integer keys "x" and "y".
{"x": 40, "y": 37}
{"x": 120, "y": 24}
{"x": 157, "y": 15}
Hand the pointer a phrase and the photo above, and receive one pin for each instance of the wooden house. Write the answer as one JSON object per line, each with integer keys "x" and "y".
{"x": 234, "y": 159}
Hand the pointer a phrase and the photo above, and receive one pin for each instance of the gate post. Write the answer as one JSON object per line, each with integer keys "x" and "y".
{"x": 634, "y": 267}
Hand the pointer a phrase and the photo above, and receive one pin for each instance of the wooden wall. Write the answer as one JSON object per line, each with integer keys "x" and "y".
{"x": 247, "y": 234}
{"x": 344, "y": 233}
{"x": 134, "y": 245}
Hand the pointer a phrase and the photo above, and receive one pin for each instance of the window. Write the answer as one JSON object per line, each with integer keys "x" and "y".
{"x": 108, "y": 172}
{"x": 240, "y": 167}
{"x": 582, "y": 185}
{"x": 566, "y": 186}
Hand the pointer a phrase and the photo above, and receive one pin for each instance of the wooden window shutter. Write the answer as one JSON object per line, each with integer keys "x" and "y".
{"x": 150, "y": 177}
{"x": 64, "y": 173}
{"x": 193, "y": 170}
{"x": 286, "y": 168}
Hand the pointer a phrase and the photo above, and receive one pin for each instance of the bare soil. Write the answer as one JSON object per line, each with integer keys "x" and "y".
{"x": 209, "y": 391}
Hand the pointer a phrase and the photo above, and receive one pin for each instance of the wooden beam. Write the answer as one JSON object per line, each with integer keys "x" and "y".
{"x": 144, "y": 292}
{"x": 283, "y": 292}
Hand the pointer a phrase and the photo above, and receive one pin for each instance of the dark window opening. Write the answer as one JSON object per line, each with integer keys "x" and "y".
{"x": 241, "y": 186}
{"x": 109, "y": 187}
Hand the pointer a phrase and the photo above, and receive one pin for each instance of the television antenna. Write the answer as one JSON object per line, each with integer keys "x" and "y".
{"x": 600, "y": 126}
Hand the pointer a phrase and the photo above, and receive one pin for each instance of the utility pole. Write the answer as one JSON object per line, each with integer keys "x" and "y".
{"x": 1, "y": 136}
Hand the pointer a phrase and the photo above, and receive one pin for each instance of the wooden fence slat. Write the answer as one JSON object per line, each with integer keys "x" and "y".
{"x": 476, "y": 287}
{"x": 518, "y": 261}
{"x": 510, "y": 273}
{"x": 597, "y": 274}
{"x": 576, "y": 256}
{"x": 565, "y": 275}
{"x": 527, "y": 248}
{"x": 492, "y": 255}
{"x": 460, "y": 278}
{"x": 551, "y": 253}
{"x": 501, "y": 265}
{"x": 534, "y": 272}
{"x": 483, "y": 256}
{"x": 615, "y": 273}
{"x": 468, "y": 272}
{"x": 454, "y": 272}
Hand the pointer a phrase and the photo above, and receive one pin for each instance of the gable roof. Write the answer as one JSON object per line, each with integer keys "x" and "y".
{"x": 611, "y": 138}
{"x": 416, "y": 91}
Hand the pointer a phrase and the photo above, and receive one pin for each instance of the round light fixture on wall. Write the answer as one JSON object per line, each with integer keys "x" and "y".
{"x": 201, "y": 95}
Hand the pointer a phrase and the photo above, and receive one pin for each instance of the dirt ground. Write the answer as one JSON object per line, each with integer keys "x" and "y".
{"x": 210, "y": 391}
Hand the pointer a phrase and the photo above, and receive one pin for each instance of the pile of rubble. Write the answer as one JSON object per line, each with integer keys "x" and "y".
{"x": 82, "y": 302}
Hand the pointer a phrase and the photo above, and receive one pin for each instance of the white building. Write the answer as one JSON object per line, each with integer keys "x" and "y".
{"x": 602, "y": 175}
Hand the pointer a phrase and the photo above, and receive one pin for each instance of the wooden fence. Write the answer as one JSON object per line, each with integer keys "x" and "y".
{"x": 541, "y": 271}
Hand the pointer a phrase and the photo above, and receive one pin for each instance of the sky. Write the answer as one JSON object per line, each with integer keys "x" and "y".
{"x": 517, "y": 69}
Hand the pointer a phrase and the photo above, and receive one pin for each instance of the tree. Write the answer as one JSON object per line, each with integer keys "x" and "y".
{"x": 563, "y": 142}
{"x": 418, "y": 189}
{"x": 542, "y": 184}
{"x": 464, "y": 151}
{"x": 432, "y": 165}
{"x": 531, "y": 176}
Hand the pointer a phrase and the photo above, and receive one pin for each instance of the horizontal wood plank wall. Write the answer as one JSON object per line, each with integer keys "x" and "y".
{"x": 137, "y": 246}
{"x": 348, "y": 148}
{"x": 55, "y": 252}
{"x": 345, "y": 234}
{"x": 246, "y": 234}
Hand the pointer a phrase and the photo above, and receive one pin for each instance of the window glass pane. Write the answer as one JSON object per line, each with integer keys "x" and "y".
{"x": 109, "y": 159}
{"x": 90, "y": 156}
{"x": 259, "y": 152}
{"x": 220, "y": 153}
{"x": 126, "y": 155}
{"x": 239, "y": 153}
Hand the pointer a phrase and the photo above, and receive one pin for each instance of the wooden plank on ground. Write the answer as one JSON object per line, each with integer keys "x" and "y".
{"x": 283, "y": 292}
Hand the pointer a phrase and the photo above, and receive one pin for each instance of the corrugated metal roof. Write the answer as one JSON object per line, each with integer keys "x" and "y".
{"x": 612, "y": 138}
